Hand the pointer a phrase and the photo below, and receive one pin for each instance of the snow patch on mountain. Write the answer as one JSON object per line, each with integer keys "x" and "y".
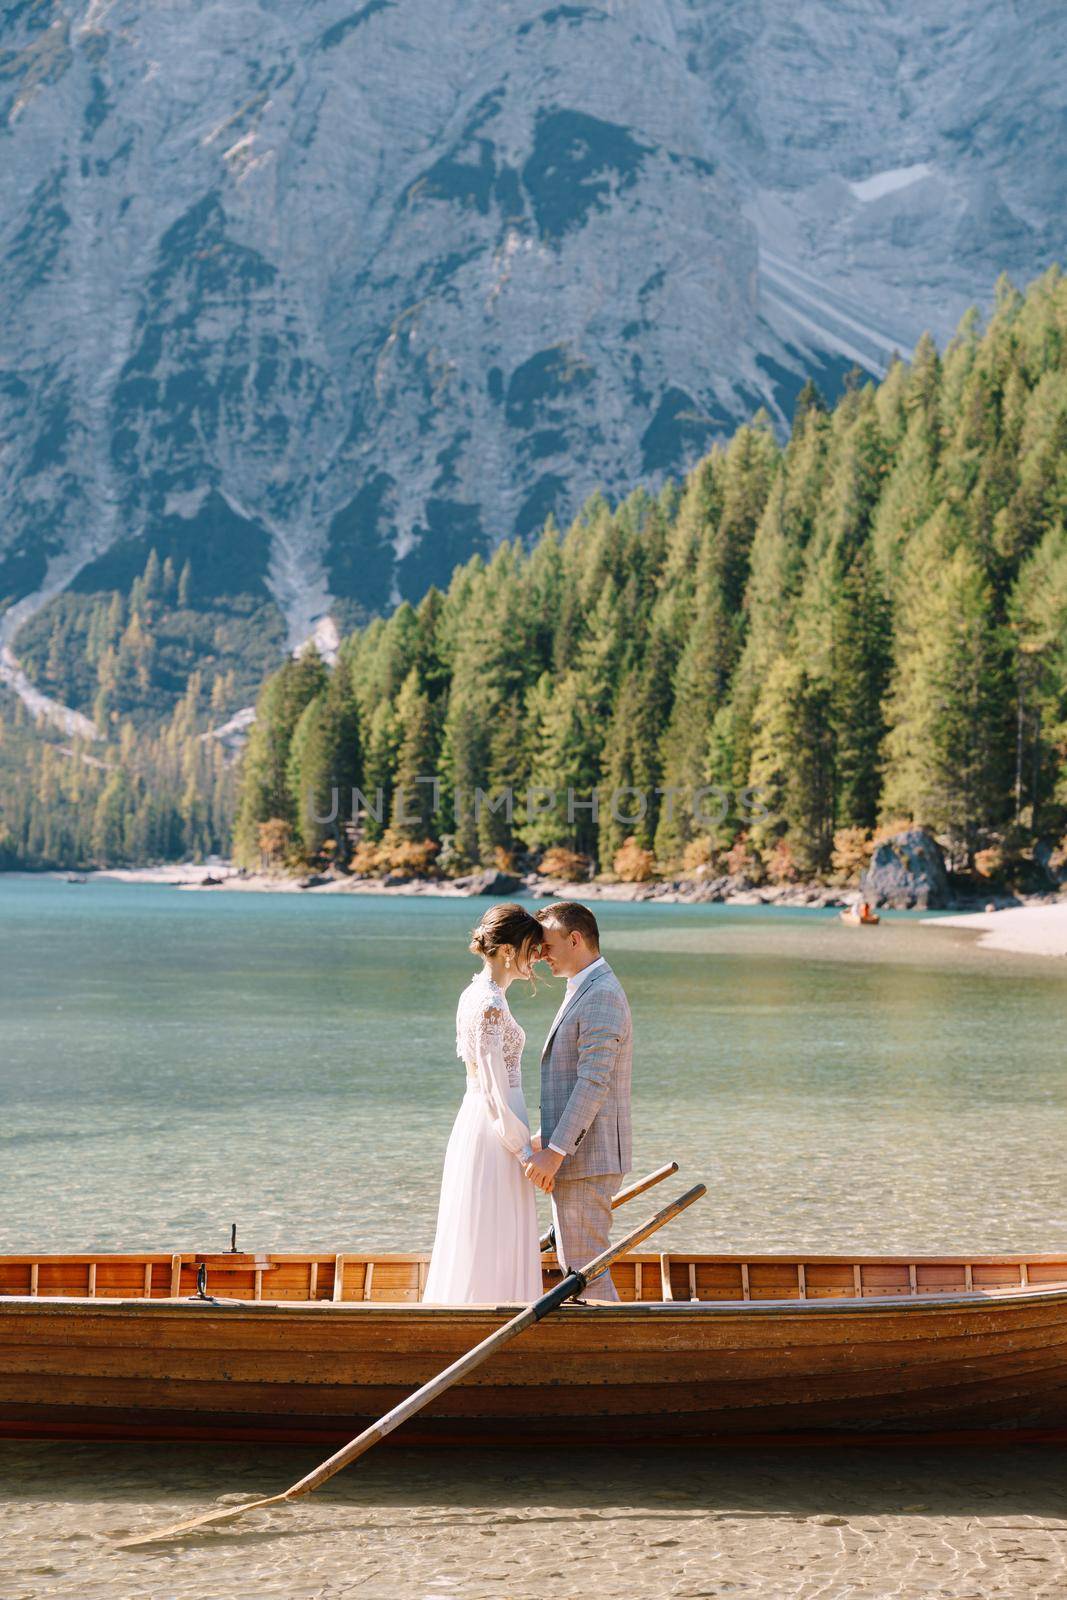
{"x": 888, "y": 182}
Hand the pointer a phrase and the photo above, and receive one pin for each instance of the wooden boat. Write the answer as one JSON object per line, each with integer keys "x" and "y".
{"x": 859, "y": 919}
{"x": 700, "y": 1349}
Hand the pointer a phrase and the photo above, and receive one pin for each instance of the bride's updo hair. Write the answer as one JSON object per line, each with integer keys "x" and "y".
{"x": 508, "y": 924}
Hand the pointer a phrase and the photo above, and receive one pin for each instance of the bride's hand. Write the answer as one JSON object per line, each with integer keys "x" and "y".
{"x": 541, "y": 1169}
{"x": 535, "y": 1142}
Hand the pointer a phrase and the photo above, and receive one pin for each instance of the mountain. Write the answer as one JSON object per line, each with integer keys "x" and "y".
{"x": 322, "y": 298}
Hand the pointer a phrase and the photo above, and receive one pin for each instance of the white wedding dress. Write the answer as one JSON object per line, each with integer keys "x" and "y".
{"x": 486, "y": 1248}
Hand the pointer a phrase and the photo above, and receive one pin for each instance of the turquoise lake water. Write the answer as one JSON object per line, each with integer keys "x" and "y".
{"x": 172, "y": 1062}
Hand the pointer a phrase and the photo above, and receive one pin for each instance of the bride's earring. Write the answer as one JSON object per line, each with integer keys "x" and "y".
{"x": 507, "y": 963}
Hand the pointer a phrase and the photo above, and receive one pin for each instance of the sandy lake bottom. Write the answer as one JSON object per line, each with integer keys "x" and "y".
{"x": 412, "y": 1525}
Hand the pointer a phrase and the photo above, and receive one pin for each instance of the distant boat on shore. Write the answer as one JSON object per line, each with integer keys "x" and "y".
{"x": 77, "y": 877}
{"x": 700, "y": 1349}
{"x": 859, "y": 917}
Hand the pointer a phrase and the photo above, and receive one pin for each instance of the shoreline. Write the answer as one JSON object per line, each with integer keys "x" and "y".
{"x": 1032, "y": 930}
{"x": 1025, "y": 924}
{"x": 214, "y": 875}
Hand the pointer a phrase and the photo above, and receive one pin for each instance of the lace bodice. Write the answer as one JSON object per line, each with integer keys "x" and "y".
{"x": 483, "y": 1020}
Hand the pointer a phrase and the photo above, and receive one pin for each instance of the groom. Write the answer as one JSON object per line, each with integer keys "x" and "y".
{"x": 584, "y": 1143}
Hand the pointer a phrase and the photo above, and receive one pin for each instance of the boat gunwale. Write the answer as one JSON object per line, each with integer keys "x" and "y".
{"x": 248, "y": 1258}
{"x": 828, "y": 1305}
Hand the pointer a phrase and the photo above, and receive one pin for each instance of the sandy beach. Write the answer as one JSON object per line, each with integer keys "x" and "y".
{"x": 1026, "y": 930}
{"x": 410, "y": 1525}
{"x": 181, "y": 874}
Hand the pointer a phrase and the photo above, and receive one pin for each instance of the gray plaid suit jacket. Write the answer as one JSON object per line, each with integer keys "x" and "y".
{"x": 585, "y": 1080}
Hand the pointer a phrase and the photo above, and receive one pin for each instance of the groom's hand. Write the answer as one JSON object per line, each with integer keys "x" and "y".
{"x": 535, "y": 1141}
{"x": 542, "y": 1167}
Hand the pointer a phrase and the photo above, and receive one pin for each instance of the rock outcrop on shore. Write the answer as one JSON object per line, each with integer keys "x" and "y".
{"x": 907, "y": 872}
{"x": 490, "y": 882}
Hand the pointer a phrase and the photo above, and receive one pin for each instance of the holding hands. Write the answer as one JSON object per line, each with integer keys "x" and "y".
{"x": 542, "y": 1167}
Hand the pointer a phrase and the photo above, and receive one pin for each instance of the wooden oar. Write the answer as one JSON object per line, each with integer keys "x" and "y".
{"x": 569, "y": 1286}
{"x": 632, "y": 1190}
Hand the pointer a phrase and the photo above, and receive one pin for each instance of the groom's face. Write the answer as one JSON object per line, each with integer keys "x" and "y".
{"x": 562, "y": 951}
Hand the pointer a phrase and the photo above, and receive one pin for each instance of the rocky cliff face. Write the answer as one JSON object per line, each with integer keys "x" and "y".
{"x": 324, "y": 296}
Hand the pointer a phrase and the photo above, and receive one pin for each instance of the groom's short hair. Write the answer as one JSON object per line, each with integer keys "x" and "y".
{"x": 573, "y": 918}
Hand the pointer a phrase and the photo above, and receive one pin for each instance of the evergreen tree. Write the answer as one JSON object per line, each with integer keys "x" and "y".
{"x": 1038, "y": 615}
{"x": 108, "y": 838}
{"x": 565, "y": 762}
{"x": 793, "y": 765}
{"x": 379, "y": 765}
{"x": 624, "y": 812}
{"x": 464, "y": 769}
{"x": 325, "y": 764}
{"x": 153, "y": 576}
{"x": 505, "y": 781}
{"x": 265, "y": 790}
{"x": 412, "y": 815}
{"x": 859, "y": 671}
{"x": 944, "y": 748}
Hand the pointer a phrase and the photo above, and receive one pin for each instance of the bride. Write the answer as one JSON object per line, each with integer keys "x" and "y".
{"x": 486, "y": 1247}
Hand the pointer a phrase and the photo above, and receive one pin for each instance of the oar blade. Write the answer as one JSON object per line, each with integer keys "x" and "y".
{"x": 204, "y": 1520}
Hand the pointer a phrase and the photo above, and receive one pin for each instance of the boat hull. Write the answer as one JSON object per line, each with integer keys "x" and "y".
{"x": 630, "y": 1374}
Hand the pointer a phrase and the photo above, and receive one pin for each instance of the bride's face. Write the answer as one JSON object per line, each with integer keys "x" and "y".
{"x": 525, "y": 958}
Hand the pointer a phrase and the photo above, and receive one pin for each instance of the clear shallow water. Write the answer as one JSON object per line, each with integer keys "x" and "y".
{"x": 171, "y": 1062}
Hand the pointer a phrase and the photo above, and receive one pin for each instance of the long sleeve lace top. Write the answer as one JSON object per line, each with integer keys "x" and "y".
{"x": 490, "y": 1042}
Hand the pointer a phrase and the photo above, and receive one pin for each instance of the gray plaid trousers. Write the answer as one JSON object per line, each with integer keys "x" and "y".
{"x": 581, "y": 1210}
